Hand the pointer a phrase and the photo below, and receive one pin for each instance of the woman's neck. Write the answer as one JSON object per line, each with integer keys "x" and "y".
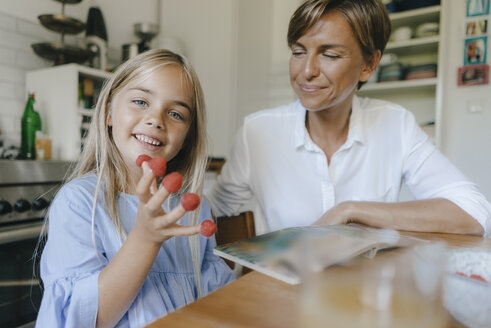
{"x": 329, "y": 128}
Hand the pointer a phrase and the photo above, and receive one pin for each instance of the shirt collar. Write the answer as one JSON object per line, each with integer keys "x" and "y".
{"x": 355, "y": 132}
{"x": 301, "y": 134}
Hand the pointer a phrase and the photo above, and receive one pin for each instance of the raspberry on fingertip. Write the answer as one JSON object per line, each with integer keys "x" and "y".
{"x": 190, "y": 201}
{"x": 158, "y": 166}
{"x": 172, "y": 182}
{"x": 208, "y": 228}
{"x": 142, "y": 158}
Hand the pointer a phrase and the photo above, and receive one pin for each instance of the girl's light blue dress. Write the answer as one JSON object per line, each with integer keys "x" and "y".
{"x": 71, "y": 262}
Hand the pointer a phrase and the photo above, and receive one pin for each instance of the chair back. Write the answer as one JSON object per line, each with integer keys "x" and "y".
{"x": 235, "y": 228}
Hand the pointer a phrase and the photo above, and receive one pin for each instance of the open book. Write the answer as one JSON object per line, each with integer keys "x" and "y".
{"x": 286, "y": 254}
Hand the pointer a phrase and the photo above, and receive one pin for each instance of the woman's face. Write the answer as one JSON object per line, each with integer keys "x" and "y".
{"x": 152, "y": 116}
{"x": 326, "y": 64}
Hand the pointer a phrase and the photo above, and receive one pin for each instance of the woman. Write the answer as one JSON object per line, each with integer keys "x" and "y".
{"x": 334, "y": 158}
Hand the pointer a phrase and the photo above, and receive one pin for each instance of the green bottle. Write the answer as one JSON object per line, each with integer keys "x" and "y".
{"x": 31, "y": 122}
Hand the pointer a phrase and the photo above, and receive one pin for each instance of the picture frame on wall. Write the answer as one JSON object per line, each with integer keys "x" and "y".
{"x": 473, "y": 75}
{"x": 475, "y": 50}
{"x": 476, "y": 27}
{"x": 477, "y": 7}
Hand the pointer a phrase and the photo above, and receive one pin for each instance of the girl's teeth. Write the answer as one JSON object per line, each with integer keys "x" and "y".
{"x": 148, "y": 140}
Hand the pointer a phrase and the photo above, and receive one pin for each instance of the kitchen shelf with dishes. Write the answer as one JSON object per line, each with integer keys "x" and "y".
{"x": 66, "y": 95}
{"x": 408, "y": 73}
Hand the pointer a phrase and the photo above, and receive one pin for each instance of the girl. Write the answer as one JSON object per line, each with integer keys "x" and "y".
{"x": 109, "y": 258}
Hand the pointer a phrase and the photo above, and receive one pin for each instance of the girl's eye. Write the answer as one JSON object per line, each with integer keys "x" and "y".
{"x": 139, "y": 102}
{"x": 176, "y": 115}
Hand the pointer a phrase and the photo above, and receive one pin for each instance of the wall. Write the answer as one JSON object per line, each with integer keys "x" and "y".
{"x": 19, "y": 28}
{"x": 466, "y": 136}
{"x": 207, "y": 31}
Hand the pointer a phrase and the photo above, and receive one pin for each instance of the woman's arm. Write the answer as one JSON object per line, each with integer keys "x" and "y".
{"x": 232, "y": 189}
{"x": 430, "y": 215}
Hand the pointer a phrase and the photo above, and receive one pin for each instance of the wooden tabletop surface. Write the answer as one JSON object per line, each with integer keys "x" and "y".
{"x": 256, "y": 300}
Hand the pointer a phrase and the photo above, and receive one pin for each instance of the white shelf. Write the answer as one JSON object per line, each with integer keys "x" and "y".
{"x": 416, "y": 16}
{"x": 418, "y": 42}
{"x": 85, "y": 126}
{"x": 85, "y": 112}
{"x": 390, "y": 86}
{"x": 58, "y": 100}
{"x": 410, "y": 14}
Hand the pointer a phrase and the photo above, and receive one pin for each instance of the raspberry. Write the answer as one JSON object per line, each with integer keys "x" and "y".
{"x": 141, "y": 159}
{"x": 478, "y": 278}
{"x": 208, "y": 228}
{"x": 158, "y": 166}
{"x": 172, "y": 182}
{"x": 190, "y": 201}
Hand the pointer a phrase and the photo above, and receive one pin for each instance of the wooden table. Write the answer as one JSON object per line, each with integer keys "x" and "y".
{"x": 256, "y": 300}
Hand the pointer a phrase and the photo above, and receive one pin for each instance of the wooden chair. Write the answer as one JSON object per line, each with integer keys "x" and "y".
{"x": 235, "y": 228}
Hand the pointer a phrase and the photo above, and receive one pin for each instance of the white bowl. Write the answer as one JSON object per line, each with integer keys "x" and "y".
{"x": 467, "y": 299}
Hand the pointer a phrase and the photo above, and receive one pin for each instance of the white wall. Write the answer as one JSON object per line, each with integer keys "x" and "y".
{"x": 466, "y": 136}
{"x": 207, "y": 31}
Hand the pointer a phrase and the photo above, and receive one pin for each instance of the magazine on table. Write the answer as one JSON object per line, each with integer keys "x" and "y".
{"x": 285, "y": 253}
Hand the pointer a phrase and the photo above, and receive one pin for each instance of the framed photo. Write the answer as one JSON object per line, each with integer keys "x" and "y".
{"x": 476, "y": 27}
{"x": 473, "y": 75}
{"x": 475, "y": 50}
{"x": 477, "y": 7}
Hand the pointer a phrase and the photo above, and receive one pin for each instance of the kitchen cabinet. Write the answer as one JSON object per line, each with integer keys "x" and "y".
{"x": 423, "y": 96}
{"x": 65, "y": 98}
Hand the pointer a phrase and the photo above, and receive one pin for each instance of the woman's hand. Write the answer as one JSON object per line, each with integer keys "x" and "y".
{"x": 428, "y": 215}
{"x": 339, "y": 214}
{"x": 153, "y": 224}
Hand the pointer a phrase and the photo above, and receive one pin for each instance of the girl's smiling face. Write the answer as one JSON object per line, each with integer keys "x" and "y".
{"x": 152, "y": 116}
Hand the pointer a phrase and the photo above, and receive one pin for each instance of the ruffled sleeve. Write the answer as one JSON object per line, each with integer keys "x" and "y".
{"x": 71, "y": 262}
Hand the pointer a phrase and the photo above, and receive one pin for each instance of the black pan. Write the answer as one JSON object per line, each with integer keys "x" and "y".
{"x": 62, "y": 24}
{"x": 61, "y": 53}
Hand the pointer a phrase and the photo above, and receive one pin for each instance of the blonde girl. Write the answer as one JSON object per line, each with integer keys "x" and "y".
{"x": 120, "y": 251}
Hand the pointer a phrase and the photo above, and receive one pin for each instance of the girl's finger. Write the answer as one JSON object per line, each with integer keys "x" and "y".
{"x": 179, "y": 230}
{"x": 142, "y": 188}
{"x": 167, "y": 220}
{"x": 153, "y": 187}
{"x": 154, "y": 204}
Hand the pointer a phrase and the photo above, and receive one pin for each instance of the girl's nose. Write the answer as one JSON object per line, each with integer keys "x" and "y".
{"x": 154, "y": 121}
{"x": 311, "y": 69}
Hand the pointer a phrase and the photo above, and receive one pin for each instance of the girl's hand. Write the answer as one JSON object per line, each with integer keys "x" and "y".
{"x": 153, "y": 224}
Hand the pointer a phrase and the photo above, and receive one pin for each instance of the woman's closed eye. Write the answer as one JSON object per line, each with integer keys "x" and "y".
{"x": 297, "y": 53}
{"x": 331, "y": 55}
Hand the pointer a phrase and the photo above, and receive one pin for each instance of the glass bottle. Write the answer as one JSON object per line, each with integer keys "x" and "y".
{"x": 30, "y": 123}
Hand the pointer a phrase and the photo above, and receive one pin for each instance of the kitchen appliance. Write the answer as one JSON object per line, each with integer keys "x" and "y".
{"x": 129, "y": 50}
{"x": 96, "y": 38}
{"x": 26, "y": 190}
{"x": 59, "y": 52}
{"x": 146, "y": 32}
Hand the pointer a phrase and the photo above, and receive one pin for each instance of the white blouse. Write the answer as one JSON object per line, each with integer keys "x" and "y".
{"x": 275, "y": 160}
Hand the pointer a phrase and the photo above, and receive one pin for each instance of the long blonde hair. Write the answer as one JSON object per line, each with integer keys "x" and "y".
{"x": 101, "y": 157}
